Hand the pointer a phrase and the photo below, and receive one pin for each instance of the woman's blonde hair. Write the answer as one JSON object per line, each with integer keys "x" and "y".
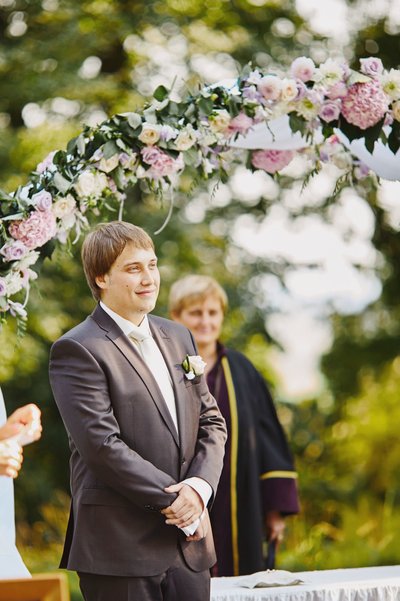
{"x": 192, "y": 289}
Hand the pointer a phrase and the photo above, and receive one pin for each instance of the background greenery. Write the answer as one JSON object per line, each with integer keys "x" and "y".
{"x": 64, "y": 63}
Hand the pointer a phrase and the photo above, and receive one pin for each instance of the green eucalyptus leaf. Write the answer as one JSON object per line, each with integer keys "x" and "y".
{"x": 206, "y": 105}
{"x": 160, "y": 93}
{"x": 297, "y": 123}
{"x": 62, "y": 184}
{"x": 110, "y": 148}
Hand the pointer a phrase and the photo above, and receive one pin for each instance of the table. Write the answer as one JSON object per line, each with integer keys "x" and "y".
{"x": 354, "y": 584}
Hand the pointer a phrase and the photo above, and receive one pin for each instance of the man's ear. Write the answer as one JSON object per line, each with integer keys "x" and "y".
{"x": 101, "y": 281}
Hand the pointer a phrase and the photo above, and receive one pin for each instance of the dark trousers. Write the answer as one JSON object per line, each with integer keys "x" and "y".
{"x": 178, "y": 583}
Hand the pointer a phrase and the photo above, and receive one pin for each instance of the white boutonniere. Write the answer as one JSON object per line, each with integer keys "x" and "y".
{"x": 193, "y": 365}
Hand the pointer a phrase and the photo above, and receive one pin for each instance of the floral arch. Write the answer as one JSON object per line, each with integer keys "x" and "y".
{"x": 328, "y": 113}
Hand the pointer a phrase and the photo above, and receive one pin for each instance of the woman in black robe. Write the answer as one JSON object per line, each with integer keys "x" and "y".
{"x": 258, "y": 482}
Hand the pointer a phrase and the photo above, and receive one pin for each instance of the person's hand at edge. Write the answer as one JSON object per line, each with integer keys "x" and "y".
{"x": 23, "y": 424}
{"x": 11, "y": 458}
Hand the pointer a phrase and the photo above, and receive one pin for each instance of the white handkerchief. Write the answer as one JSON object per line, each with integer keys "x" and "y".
{"x": 269, "y": 578}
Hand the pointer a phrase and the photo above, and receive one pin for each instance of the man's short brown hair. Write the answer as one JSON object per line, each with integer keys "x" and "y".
{"x": 104, "y": 244}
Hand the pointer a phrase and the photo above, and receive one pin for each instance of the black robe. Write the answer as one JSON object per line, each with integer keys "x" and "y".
{"x": 258, "y": 474}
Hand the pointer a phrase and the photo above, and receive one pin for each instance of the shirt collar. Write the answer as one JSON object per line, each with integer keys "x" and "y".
{"x": 143, "y": 329}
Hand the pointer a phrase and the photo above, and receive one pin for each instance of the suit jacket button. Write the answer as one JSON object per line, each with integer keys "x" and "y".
{"x": 183, "y": 462}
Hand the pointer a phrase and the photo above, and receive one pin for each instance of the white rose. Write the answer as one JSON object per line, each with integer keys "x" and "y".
{"x": 64, "y": 206}
{"x": 219, "y": 121}
{"x": 193, "y": 366}
{"x": 185, "y": 139}
{"x": 100, "y": 182}
{"x": 85, "y": 184}
{"x": 289, "y": 90}
{"x": 150, "y": 134}
{"x": 90, "y": 184}
{"x": 108, "y": 165}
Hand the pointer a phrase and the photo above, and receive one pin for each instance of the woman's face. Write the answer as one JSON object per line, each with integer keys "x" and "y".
{"x": 204, "y": 319}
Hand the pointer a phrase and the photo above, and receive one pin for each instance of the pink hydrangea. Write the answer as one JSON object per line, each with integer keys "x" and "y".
{"x": 36, "y": 230}
{"x": 365, "y": 104}
{"x": 271, "y": 160}
{"x": 240, "y": 124}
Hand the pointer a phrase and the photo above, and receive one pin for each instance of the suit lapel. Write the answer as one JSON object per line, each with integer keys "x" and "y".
{"x": 170, "y": 352}
{"x": 118, "y": 338}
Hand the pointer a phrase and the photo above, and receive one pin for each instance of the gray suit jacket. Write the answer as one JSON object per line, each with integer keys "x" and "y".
{"x": 125, "y": 449}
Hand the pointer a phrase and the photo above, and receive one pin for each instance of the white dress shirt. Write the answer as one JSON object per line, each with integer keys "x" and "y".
{"x": 156, "y": 364}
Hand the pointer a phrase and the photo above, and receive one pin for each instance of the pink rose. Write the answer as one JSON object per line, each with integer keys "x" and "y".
{"x": 302, "y": 68}
{"x": 271, "y": 160}
{"x": 270, "y": 87}
{"x": 42, "y": 200}
{"x": 338, "y": 90}
{"x": 240, "y": 124}
{"x": 371, "y": 66}
{"x": 329, "y": 111}
{"x": 150, "y": 154}
{"x": 13, "y": 251}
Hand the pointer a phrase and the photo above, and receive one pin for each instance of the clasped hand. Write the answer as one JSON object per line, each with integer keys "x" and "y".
{"x": 21, "y": 428}
{"x": 186, "y": 509}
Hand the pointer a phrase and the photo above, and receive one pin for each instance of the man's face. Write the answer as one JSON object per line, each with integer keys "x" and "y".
{"x": 131, "y": 286}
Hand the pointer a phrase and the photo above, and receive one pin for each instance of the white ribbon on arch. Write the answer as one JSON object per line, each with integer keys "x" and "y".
{"x": 277, "y": 135}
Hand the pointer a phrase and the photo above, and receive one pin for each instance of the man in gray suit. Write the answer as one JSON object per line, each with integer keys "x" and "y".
{"x": 146, "y": 437}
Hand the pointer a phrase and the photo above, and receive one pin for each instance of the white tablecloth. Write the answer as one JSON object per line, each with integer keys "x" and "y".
{"x": 356, "y": 584}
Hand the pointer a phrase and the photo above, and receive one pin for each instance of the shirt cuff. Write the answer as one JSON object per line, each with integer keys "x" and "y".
{"x": 205, "y": 491}
{"x": 201, "y": 487}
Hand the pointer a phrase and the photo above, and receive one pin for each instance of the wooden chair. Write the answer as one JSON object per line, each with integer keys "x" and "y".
{"x": 41, "y": 587}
